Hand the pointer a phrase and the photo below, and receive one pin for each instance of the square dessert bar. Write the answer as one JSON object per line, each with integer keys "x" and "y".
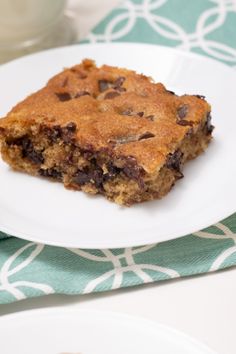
{"x": 106, "y": 130}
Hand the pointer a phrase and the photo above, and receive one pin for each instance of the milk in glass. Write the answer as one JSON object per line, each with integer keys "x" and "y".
{"x": 24, "y": 22}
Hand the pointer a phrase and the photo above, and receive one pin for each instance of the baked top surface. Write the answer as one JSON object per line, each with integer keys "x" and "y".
{"x": 115, "y": 109}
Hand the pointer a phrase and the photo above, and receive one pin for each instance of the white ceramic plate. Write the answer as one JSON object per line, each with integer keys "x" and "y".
{"x": 90, "y": 332}
{"x": 45, "y": 212}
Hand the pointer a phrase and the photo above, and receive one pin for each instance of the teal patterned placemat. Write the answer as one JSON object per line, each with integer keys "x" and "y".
{"x": 29, "y": 270}
{"x": 203, "y": 26}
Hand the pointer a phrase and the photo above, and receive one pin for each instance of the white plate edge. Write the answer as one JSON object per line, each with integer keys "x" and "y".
{"x": 155, "y": 325}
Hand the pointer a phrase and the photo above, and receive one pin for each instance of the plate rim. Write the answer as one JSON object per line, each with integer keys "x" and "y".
{"x": 106, "y": 314}
{"x": 125, "y": 43}
{"x": 101, "y": 245}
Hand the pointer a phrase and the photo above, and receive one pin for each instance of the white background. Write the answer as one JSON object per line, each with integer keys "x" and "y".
{"x": 203, "y": 306}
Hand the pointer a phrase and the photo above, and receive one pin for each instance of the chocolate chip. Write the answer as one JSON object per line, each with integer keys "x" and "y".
{"x": 71, "y": 127}
{"x": 26, "y": 144}
{"x": 132, "y": 138}
{"x": 150, "y": 117}
{"x": 23, "y": 142}
{"x": 119, "y": 82}
{"x": 113, "y": 170}
{"x": 56, "y": 132}
{"x": 184, "y": 122}
{"x": 117, "y": 85}
{"x": 30, "y": 153}
{"x": 66, "y": 96}
{"x": 140, "y": 114}
{"x": 103, "y": 85}
{"x": 33, "y": 156}
{"x": 97, "y": 177}
{"x": 67, "y": 136}
{"x": 88, "y": 154}
{"x": 127, "y": 112}
{"x": 50, "y": 173}
{"x": 146, "y": 135}
{"x": 131, "y": 171}
{"x": 201, "y": 97}
{"x": 53, "y": 133}
{"x": 63, "y": 96}
{"x": 131, "y": 160}
{"x": 16, "y": 141}
{"x": 134, "y": 172}
{"x": 28, "y": 150}
{"x": 111, "y": 94}
{"x": 182, "y": 111}
{"x": 81, "y": 178}
{"x": 209, "y": 126}
{"x": 69, "y": 157}
{"x": 82, "y": 93}
{"x": 174, "y": 161}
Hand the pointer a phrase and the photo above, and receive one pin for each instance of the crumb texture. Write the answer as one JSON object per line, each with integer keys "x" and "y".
{"x": 106, "y": 130}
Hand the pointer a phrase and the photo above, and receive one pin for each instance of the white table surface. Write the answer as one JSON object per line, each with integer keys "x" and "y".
{"x": 202, "y": 306}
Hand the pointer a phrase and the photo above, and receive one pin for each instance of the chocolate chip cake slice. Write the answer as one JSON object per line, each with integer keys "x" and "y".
{"x": 106, "y": 130}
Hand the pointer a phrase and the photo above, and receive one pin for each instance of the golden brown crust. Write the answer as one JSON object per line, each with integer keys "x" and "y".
{"x": 101, "y": 121}
{"x": 114, "y": 110}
